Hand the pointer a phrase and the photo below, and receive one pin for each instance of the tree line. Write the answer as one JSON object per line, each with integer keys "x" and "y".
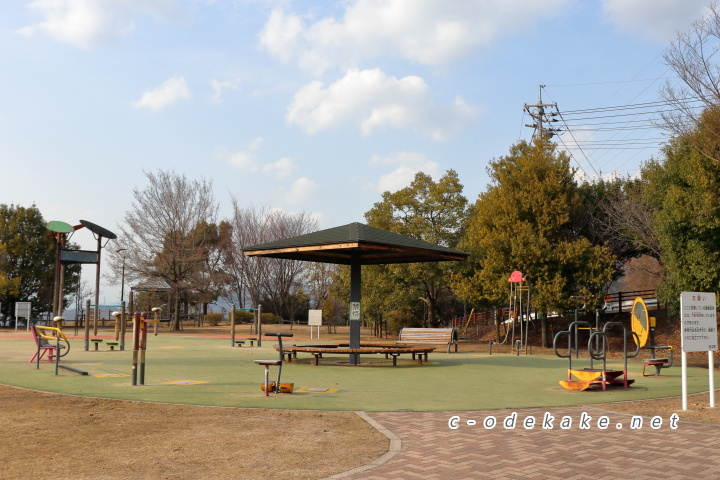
{"x": 571, "y": 239}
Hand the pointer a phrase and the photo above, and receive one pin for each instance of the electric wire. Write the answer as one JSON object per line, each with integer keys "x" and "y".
{"x": 627, "y": 129}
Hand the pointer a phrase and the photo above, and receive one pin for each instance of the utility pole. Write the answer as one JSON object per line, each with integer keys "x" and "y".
{"x": 540, "y": 115}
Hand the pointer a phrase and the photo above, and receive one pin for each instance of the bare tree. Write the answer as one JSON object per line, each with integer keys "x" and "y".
{"x": 284, "y": 275}
{"x": 318, "y": 278}
{"x": 692, "y": 55}
{"x": 259, "y": 278}
{"x": 247, "y": 273}
{"x": 622, "y": 220}
{"x": 165, "y": 233}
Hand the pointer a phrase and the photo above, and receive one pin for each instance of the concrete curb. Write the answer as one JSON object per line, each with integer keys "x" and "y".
{"x": 395, "y": 447}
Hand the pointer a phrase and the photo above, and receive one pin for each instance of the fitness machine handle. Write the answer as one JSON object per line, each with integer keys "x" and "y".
{"x": 637, "y": 345}
{"x": 600, "y": 355}
{"x": 557, "y": 335}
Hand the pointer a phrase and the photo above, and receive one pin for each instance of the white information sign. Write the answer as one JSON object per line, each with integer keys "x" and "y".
{"x": 315, "y": 318}
{"x": 699, "y": 322}
{"x": 355, "y": 311}
{"x": 22, "y": 309}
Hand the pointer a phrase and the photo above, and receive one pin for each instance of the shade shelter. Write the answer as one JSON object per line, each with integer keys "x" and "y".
{"x": 355, "y": 244}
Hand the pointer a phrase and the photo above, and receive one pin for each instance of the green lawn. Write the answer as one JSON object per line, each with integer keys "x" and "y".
{"x": 456, "y": 381}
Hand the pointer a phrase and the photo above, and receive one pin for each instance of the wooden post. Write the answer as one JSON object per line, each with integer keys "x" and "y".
{"x": 156, "y": 315}
{"x": 87, "y": 325}
{"x": 117, "y": 325}
{"x": 136, "y": 346}
{"x": 259, "y": 324}
{"x": 232, "y": 325}
{"x": 143, "y": 345}
{"x": 97, "y": 285}
{"x": 123, "y": 325}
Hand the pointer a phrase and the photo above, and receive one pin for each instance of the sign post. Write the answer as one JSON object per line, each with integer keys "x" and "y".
{"x": 698, "y": 316}
{"x": 22, "y": 309}
{"x": 315, "y": 320}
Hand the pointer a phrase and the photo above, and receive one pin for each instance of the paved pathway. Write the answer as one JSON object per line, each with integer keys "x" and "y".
{"x": 425, "y": 447}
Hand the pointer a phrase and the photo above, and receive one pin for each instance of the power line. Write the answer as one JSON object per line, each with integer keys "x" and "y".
{"x": 628, "y": 127}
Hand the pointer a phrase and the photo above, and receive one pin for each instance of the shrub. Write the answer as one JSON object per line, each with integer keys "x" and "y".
{"x": 397, "y": 320}
{"x": 244, "y": 316}
{"x": 270, "y": 319}
{"x": 213, "y": 319}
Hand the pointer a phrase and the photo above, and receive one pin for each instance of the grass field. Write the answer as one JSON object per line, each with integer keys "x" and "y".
{"x": 201, "y": 370}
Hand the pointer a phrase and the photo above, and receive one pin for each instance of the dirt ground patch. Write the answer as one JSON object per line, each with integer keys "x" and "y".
{"x": 698, "y": 408}
{"x": 86, "y": 438}
{"x": 67, "y": 437}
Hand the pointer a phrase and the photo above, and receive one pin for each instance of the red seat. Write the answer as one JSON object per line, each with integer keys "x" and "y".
{"x": 43, "y": 347}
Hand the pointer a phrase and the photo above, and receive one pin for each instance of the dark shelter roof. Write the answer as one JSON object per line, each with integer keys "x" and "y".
{"x": 152, "y": 285}
{"x": 336, "y": 245}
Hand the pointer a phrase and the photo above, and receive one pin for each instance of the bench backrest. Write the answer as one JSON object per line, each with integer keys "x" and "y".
{"x": 428, "y": 335}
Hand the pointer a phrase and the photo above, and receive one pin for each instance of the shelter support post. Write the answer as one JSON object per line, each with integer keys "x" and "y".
{"x": 355, "y": 296}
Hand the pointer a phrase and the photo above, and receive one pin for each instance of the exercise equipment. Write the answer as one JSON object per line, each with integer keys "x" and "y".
{"x": 644, "y": 326}
{"x": 43, "y": 342}
{"x": 592, "y": 376}
{"x": 100, "y": 233}
{"x": 43, "y": 338}
{"x": 140, "y": 321}
{"x": 276, "y": 387}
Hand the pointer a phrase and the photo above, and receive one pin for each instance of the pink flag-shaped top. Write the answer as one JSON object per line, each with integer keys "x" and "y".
{"x": 516, "y": 277}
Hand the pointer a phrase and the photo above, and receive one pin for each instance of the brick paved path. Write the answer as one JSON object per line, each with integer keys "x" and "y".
{"x": 431, "y": 450}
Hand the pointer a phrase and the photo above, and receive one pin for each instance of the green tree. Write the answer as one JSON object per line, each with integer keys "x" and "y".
{"x": 525, "y": 222}
{"x": 27, "y": 261}
{"x": 683, "y": 189}
{"x": 8, "y": 286}
{"x": 426, "y": 210}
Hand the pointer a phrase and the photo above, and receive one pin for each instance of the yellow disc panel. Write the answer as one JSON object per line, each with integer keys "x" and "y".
{"x": 640, "y": 322}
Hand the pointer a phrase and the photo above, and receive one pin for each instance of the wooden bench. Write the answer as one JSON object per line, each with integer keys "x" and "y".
{"x": 429, "y": 336}
{"x": 393, "y": 351}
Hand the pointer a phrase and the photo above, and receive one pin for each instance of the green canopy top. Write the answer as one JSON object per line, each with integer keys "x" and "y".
{"x": 337, "y": 245}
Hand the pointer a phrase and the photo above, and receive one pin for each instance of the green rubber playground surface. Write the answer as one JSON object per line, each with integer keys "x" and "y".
{"x": 207, "y": 371}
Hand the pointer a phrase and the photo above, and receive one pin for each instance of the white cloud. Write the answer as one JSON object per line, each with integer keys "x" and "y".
{"x": 243, "y": 161}
{"x": 430, "y": 32}
{"x": 408, "y": 164}
{"x": 169, "y": 92}
{"x": 280, "y": 169}
{"x": 373, "y": 100}
{"x": 85, "y": 23}
{"x": 653, "y": 19}
{"x": 219, "y": 88}
{"x": 302, "y": 190}
{"x": 247, "y": 160}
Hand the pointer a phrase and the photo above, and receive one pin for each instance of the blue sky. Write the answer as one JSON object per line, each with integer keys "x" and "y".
{"x": 312, "y": 106}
